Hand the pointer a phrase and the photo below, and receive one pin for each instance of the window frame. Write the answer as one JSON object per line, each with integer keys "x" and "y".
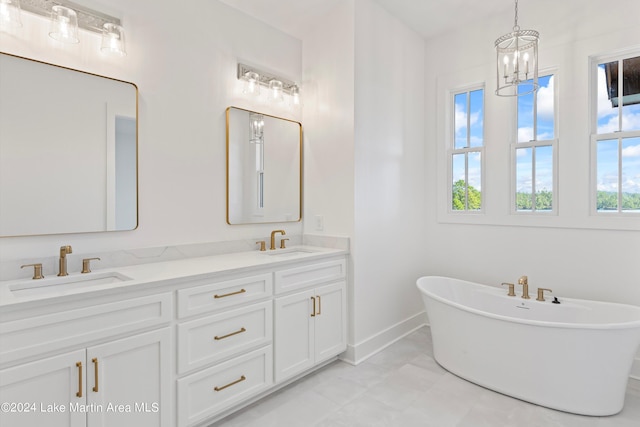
{"x": 451, "y": 150}
{"x": 534, "y": 144}
{"x": 595, "y": 137}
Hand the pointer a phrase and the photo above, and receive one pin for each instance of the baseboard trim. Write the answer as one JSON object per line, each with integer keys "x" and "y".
{"x": 358, "y": 353}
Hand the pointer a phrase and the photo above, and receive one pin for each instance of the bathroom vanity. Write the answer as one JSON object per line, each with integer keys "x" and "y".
{"x": 175, "y": 343}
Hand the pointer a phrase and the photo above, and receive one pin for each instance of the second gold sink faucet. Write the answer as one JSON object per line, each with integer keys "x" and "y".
{"x": 64, "y": 251}
{"x": 273, "y": 238}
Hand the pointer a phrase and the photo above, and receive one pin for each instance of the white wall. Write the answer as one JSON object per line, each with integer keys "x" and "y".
{"x": 183, "y": 60}
{"x": 364, "y": 162}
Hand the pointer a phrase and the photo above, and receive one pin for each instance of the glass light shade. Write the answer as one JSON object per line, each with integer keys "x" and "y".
{"x": 10, "y": 14}
{"x": 252, "y": 83}
{"x": 256, "y": 127}
{"x": 64, "y": 24}
{"x": 113, "y": 39}
{"x": 276, "y": 92}
{"x": 295, "y": 95}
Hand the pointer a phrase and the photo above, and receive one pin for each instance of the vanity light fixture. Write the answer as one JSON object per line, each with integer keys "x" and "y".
{"x": 517, "y": 61}
{"x": 66, "y": 17}
{"x": 278, "y": 86}
{"x": 10, "y": 14}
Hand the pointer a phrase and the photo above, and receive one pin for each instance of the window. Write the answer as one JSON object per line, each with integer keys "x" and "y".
{"x": 533, "y": 152}
{"x": 466, "y": 151}
{"x": 616, "y": 136}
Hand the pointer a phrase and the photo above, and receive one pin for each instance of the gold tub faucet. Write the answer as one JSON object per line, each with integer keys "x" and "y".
{"x": 524, "y": 281}
{"x": 62, "y": 263}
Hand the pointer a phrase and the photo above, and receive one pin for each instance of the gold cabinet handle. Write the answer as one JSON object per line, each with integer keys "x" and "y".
{"x": 319, "y": 306}
{"x": 241, "y": 291}
{"x": 313, "y": 312}
{"x": 242, "y": 378}
{"x": 95, "y": 373}
{"x": 79, "y": 365}
{"x": 217, "y": 338}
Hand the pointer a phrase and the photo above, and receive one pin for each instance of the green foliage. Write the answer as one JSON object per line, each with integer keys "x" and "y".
{"x": 608, "y": 200}
{"x": 544, "y": 201}
{"x": 458, "y": 199}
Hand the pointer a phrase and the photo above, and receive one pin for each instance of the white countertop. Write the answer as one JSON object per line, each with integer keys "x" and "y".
{"x": 142, "y": 274}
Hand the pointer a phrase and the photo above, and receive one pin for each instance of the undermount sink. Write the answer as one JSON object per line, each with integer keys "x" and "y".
{"x": 66, "y": 283}
{"x": 287, "y": 253}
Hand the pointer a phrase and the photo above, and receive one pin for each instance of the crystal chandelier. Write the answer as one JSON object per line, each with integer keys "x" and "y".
{"x": 517, "y": 61}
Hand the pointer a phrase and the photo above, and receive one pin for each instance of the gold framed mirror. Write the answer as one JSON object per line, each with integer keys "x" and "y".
{"x": 68, "y": 150}
{"x": 264, "y": 168}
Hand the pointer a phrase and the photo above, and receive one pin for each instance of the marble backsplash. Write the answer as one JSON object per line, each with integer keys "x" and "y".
{"x": 10, "y": 269}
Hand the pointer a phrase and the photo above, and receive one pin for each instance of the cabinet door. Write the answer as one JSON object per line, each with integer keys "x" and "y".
{"x": 128, "y": 380}
{"x": 294, "y": 334}
{"x": 330, "y": 321}
{"x": 49, "y": 392}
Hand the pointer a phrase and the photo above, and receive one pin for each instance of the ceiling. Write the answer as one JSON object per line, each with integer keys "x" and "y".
{"x": 427, "y": 17}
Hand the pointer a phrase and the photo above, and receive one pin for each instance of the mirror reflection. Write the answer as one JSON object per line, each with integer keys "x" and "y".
{"x": 264, "y": 157}
{"x": 68, "y": 150}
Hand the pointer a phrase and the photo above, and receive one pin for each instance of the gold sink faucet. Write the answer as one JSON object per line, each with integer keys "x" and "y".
{"x": 64, "y": 251}
{"x": 524, "y": 281}
{"x": 273, "y": 238}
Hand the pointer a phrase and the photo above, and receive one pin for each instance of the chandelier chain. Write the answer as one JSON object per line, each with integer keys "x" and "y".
{"x": 516, "y": 27}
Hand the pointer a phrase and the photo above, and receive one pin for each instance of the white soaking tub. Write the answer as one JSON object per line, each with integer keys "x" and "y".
{"x": 575, "y": 356}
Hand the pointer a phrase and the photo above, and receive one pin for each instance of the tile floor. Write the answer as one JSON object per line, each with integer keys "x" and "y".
{"x": 402, "y": 386}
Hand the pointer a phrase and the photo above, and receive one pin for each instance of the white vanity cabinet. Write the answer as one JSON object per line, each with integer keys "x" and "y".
{"x": 230, "y": 348}
{"x": 119, "y": 382}
{"x": 310, "y": 324}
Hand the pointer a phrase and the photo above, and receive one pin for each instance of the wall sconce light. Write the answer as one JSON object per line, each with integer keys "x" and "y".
{"x": 277, "y": 85}
{"x": 66, "y": 17}
{"x": 10, "y": 14}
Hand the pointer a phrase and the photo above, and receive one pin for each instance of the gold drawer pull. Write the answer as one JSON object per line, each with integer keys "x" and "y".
{"x": 242, "y": 378}
{"x": 95, "y": 373}
{"x": 313, "y": 312}
{"x": 79, "y": 365}
{"x": 217, "y": 338}
{"x": 241, "y": 291}
{"x": 319, "y": 306}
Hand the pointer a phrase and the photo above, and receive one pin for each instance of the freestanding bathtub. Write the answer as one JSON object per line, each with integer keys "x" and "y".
{"x": 575, "y": 356}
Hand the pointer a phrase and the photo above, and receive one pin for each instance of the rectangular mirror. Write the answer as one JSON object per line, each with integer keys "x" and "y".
{"x": 264, "y": 168}
{"x": 68, "y": 150}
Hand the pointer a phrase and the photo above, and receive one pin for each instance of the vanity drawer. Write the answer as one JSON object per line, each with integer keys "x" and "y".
{"x": 309, "y": 275}
{"x": 206, "y": 298}
{"x": 212, "y": 390}
{"x": 224, "y": 335}
{"x": 50, "y": 332}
